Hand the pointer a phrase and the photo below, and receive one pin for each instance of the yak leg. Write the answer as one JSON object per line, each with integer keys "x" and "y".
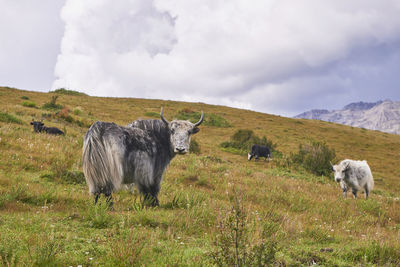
{"x": 109, "y": 200}
{"x": 149, "y": 195}
{"x": 344, "y": 189}
{"x": 154, "y": 190}
{"x": 354, "y": 193}
{"x": 151, "y": 200}
{"x": 96, "y": 198}
{"x": 366, "y": 192}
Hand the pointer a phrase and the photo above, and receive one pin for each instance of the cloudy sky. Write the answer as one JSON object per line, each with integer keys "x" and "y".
{"x": 275, "y": 56}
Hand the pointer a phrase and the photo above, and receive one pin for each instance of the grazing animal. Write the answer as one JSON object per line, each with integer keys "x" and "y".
{"x": 354, "y": 174}
{"x": 259, "y": 151}
{"x": 39, "y": 127}
{"x": 114, "y": 156}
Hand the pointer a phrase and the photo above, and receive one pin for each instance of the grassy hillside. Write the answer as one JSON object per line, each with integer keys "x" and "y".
{"x": 216, "y": 207}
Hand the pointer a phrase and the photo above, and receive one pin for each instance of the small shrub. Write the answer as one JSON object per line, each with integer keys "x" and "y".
{"x": 235, "y": 245}
{"x": 77, "y": 111}
{"x": 29, "y": 104}
{"x": 8, "y": 118}
{"x": 194, "y": 147}
{"x": 24, "y": 97}
{"x": 52, "y": 105}
{"x": 64, "y": 91}
{"x": 315, "y": 157}
{"x": 243, "y": 139}
{"x": 45, "y": 251}
{"x": 98, "y": 215}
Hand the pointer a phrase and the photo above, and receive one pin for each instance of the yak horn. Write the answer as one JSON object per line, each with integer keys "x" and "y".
{"x": 162, "y": 117}
{"x": 200, "y": 121}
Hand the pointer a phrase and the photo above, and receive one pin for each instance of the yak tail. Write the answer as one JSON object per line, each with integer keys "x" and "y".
{"x": 371, "y": 184}
{"x": 102, "y": 169}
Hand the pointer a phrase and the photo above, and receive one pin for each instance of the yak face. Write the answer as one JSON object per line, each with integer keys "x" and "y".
{"x": 249, "y": 156}
{"x": 340, "y": 170}
{"x": 180, "y": 132}
{"x": 37, "y": 126}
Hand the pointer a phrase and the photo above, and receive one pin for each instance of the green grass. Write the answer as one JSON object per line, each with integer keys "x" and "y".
{"x": 29, "y": 104}
{"x": 216, "y": 208}
{"x": 8, "y": 118}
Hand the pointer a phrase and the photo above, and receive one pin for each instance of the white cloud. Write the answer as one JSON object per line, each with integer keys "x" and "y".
{"x": 30, "y": 34}
{"x": 272, "y": 56}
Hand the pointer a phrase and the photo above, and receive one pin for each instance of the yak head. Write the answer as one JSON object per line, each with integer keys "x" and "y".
{"x": 37, "y": 126}
{"x": 180, "y": 132}
{"x": 249, "y": 156}
{"x": 340, "y": 170}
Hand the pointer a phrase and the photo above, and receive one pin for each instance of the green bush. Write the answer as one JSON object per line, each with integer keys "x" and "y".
{"x": 8, "y": 118}
{"x": 24, "y": 97}
{"x": 315, "y": 157}
{"x": 194, "y": 147}
{"x": 29, "y": 104}
{"x": 64, "y": 91}
{"x": 243, "y": 139}
{"x": 77, "y": 111}
{"x": 210, "y": 119}
{"x": 52, "y": 104}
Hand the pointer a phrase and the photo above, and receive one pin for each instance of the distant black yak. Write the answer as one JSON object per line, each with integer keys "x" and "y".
{"x": 39, "y": 127}
{"x": 114, "y": 156}
{"x": 259, "y": 151}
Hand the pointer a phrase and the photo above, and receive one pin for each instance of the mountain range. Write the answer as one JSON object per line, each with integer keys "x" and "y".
{"x": 382, "y": 115}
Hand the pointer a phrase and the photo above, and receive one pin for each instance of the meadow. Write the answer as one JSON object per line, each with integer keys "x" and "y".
{"x": 216, "y": 208}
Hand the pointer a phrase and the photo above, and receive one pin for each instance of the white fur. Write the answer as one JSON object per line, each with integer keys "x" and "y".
{"x": 354, "y": 174}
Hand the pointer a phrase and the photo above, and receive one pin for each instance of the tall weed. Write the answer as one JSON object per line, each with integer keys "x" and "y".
{"x": 97, "y": 215}
{"x": 127, "y": 251}
{"x": 235, "y": 244}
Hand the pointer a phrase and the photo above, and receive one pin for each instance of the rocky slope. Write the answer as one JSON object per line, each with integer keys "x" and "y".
{"x": 382, "y": 115}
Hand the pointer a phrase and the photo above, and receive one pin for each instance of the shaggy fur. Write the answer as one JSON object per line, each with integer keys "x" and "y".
{"x": 259, "y": 151}
{"x": 115, "y": 156}
{"x": 354, "y": 174}
{"x": 39, "y": 127}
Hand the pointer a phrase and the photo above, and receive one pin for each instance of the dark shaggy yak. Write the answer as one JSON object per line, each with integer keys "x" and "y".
{"x": 259, "y": 151}
{"x": 138, "y": 154}
{"x": 39, "y": 127}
